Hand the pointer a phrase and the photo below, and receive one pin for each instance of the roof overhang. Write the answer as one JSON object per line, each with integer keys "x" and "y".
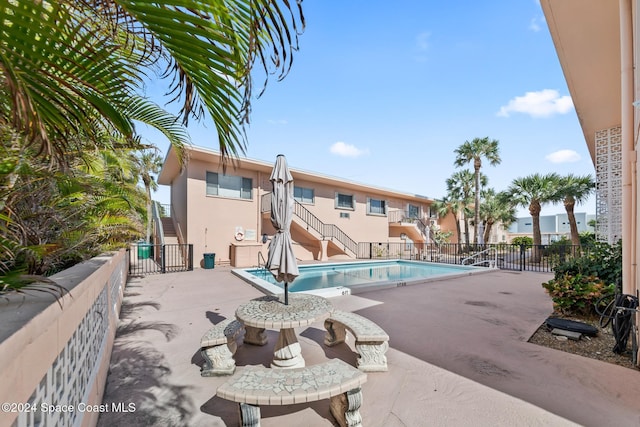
{"x": 586, "y": 34}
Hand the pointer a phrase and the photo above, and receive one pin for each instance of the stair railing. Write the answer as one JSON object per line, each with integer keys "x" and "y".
{"x": 326, "y": 231}
{"x": 155, "y": 214}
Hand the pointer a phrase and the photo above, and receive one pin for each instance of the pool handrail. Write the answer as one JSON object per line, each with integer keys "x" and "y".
{"x": 492, "y": 262}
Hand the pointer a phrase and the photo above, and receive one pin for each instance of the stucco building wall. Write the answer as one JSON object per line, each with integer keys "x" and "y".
{"x": 221, "y": 225}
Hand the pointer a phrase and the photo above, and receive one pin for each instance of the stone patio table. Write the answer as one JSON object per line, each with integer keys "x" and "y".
{"x": 271, "y": 312}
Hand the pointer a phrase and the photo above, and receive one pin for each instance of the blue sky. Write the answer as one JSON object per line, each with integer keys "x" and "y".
{"x": 383, "y": 93}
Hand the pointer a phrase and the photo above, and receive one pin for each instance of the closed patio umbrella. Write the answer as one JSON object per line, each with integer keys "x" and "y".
{"x": 281, "y": 261}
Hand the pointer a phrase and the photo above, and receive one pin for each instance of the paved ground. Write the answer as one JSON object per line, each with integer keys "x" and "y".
{"x": 458, "y": 357}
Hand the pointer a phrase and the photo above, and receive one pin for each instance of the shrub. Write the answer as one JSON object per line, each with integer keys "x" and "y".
{"x": 587, "y": 238}
{"x": 601, "y": 260}
{"x": 577, "y": 294}
{"x": 522, "y": 240}
{"x": 560, "y": 247}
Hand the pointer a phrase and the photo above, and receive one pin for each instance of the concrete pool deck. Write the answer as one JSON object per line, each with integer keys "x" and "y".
{"x": 458, "y": 356}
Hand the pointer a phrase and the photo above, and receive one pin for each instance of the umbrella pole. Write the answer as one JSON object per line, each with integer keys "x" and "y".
{"x": 286, "y": 293}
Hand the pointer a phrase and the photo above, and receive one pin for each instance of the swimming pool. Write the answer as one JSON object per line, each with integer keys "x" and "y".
{"x": 346, "y": 278}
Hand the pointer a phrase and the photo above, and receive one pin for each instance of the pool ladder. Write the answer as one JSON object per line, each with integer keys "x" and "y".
{"x": 262, "y": 267}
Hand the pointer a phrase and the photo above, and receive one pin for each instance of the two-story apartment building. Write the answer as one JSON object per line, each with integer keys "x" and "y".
{"x": 226, "y": 212}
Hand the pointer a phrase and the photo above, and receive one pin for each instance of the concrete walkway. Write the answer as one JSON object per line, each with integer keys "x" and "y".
{"x": 458, "y": 357}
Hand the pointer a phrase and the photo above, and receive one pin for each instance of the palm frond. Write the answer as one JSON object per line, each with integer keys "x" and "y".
{"x": 147, "y": 112}
{"x": 212, "y": 47}
{"x": 59, "y": 76}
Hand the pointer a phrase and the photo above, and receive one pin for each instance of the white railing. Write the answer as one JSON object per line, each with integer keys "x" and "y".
{"x": 482, "y": 258}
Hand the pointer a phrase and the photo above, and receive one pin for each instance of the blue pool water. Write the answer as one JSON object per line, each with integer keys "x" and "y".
{"x": 355, "y": 275}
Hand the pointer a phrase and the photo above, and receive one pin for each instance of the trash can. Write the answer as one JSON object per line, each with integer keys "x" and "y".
{"x": 209, "y": 260}
{"x": 144, "y": 250}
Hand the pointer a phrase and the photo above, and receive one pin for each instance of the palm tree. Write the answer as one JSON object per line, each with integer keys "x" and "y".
{"x": 445, "y": 206}
{"x": 474, "y": 151}
{"x": 460, "y": 189}
{"x": 575, "y": 189}
{"x": 72, "y": 83}
{"x": 148, "y": 163}
{"x": 77, "y": 67}
{"x": 532, "y": 192}
{"x": 56, "y": 217}
{"x": 495, "y": 208}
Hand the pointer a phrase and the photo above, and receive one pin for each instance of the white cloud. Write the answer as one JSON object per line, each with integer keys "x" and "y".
{"x": 534, "y": 25}
{"x": 563, "y": 156}
{"x": 544, "y": 103}
{"x": 347, "y": 150}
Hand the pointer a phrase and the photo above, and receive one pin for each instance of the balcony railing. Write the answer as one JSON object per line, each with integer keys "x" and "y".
{"x": 400, "y": 216}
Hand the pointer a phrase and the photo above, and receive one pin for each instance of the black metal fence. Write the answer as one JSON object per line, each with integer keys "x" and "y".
{"x": 542, "y": 258}
{"x": 153, "y": 259}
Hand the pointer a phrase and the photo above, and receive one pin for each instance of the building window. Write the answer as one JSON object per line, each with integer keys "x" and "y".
{"x": 236, "y": 187}
{"x": 345, "y": 201}
{"x": 413, "y": 211}
{"x": 303, "y": 195}
{"x": 376, "y": 207}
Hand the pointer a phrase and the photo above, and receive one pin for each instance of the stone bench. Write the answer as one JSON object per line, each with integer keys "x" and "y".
{"x": 255, "y": 386}
{"x": 218, "y": 346}
{"x": 372, "y": 342}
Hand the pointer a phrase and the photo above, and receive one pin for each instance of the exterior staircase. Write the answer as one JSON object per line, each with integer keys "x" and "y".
{"x": 169, "y": 238}
{"x": 170, "y": 235}
{"x": 315, "y": 226}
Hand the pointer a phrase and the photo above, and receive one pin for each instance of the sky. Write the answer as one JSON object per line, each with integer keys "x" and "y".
{"x": 382, "y": 93}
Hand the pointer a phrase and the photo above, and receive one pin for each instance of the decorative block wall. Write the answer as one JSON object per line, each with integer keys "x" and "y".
{"x": 73, "y": 366}
{"x": 609, "y": 184}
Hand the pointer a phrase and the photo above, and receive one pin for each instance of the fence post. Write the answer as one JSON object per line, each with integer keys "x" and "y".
{"x": 522, "y": 251}
{"x": 163, "y": 259}
{"x": 191, "y": 257}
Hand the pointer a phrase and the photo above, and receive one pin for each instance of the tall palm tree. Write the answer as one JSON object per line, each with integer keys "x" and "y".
{"x": 474, "y": 151}
{"x": 532, "y": 192}
{"x": 148, "y": 163}
{"x": 460, "y": 188}
{"x": 77, "y": 67}
{"x": 575, "y": 189}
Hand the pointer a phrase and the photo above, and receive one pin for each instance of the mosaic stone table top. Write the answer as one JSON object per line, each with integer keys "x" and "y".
{"x": 271, "y": 312}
